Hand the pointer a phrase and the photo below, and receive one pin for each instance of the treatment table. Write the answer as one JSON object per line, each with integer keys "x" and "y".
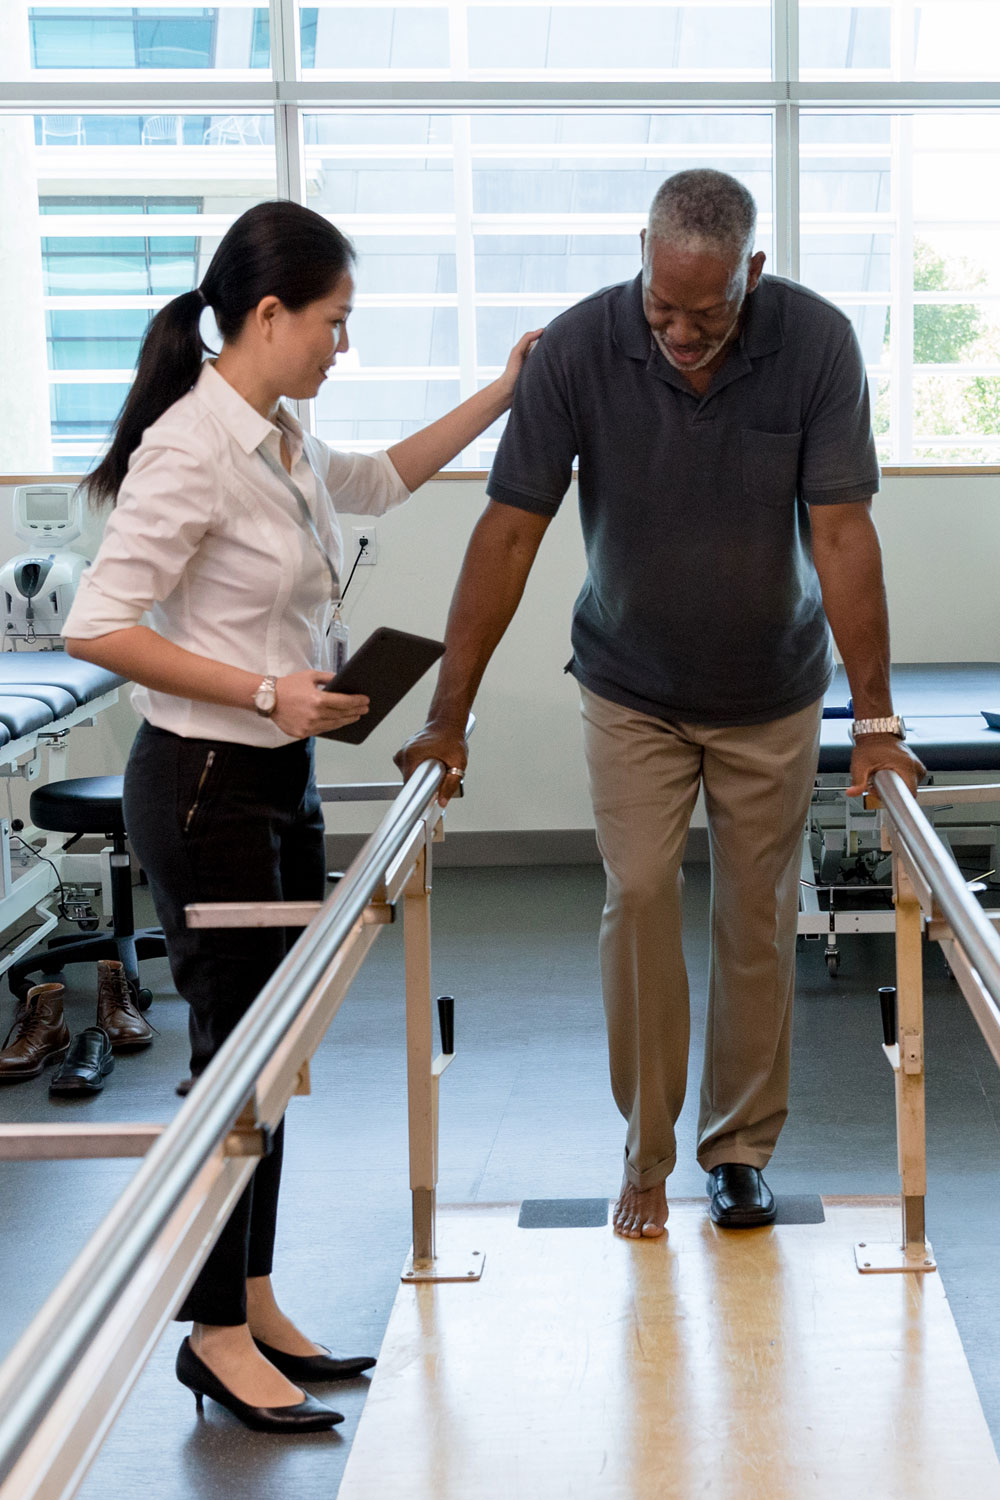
{"x": 44, "y": 696}
{"x": 844, "y": 878}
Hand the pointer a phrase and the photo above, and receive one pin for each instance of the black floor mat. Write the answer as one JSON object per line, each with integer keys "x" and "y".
{"x": 563, "y": 1213}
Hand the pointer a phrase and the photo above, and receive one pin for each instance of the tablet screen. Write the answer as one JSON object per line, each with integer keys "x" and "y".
{"x": 385, "y": 667}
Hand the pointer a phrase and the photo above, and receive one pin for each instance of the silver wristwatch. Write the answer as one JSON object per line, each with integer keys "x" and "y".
{"x": 265, "y": 699}
{"x": 892, "y": 724}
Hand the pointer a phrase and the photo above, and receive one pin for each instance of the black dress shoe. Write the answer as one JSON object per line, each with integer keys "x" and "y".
{"x": 86, "y": 1065}
{"x": 315, "y": 1367}
{"x": 739, "y": 1196}
{"x": 309, "y": 1415}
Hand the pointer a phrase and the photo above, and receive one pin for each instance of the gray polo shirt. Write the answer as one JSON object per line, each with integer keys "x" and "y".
{"x": 701, "y": 601}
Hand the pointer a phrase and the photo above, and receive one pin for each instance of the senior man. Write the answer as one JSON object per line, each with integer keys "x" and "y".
{"x": 726, "y": 468}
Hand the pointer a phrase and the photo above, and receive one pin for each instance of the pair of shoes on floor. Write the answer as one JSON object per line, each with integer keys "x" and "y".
{"x": 40, "y": 1036}
{"x": 739, "y": 1198}
{"x": 308, "y": 1415}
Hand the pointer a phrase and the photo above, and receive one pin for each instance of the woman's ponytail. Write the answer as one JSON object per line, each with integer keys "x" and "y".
{"x": 169, "y": 361}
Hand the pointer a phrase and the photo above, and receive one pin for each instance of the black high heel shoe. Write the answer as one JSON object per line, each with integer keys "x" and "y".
{"x": 318, "y": 1367}
{"x": 309, "y": 1415}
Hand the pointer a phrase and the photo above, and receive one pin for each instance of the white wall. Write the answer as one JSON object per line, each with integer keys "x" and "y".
{"x": 941, "y": 541}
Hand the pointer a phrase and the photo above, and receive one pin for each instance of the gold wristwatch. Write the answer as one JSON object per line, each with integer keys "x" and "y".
{"x": 265, "y": 699}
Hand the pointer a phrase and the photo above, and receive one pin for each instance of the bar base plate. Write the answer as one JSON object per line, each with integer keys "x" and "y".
{"x": 880, "y": 1258}
{"x": 451, "y": 1267}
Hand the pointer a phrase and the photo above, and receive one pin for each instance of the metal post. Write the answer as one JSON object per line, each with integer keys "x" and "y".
{"x": 419, "y": 1048}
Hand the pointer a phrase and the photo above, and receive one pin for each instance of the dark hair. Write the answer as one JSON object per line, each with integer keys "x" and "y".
{"x": 275, "y": 249}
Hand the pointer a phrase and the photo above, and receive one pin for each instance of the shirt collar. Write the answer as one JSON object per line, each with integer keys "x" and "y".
{"x": 244, "y": 424}
{"x": 762, "y": 328}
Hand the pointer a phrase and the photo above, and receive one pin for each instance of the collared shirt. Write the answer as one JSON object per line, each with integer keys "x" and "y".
{"x": 210, "y": 544}
{"x": 701, "y": 601}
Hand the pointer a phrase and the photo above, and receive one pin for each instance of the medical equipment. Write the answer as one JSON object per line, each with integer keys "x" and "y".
{"x": 38, "y": 587}
{"x": 845, "y": 884}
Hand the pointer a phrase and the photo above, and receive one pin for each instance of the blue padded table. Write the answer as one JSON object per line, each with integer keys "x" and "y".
{"x": 941, "y": 704}
{"x": 39, "y": 689}
{"x": 44, "y": 695}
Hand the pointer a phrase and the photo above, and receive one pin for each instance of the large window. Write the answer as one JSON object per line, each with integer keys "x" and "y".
{"x": 493, "y": 164}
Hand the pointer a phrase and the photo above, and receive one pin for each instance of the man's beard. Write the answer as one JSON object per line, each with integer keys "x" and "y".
{"x": 707, "y": 357}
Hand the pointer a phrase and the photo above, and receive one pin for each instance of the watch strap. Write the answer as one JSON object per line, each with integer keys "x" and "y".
{"x": 890, "y": 724}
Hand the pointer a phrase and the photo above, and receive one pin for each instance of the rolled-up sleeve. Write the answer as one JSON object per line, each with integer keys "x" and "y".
{"x": 360, "y": 484}
{"x": 165, "y": 505}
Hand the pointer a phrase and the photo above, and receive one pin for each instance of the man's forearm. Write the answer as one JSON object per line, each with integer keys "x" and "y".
{"x": 850, "y": 572}
{"x": 499, "y": 557}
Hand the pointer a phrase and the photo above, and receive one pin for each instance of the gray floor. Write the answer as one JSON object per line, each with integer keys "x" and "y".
{"x": 526, "y": 1113}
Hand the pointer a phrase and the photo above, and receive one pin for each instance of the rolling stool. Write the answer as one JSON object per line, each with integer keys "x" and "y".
{"x": 91, "y": 804}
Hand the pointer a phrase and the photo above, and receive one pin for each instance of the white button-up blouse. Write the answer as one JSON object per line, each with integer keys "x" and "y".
{"x": 210, "y": 544}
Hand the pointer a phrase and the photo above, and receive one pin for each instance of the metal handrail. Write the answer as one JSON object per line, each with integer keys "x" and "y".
{"x": 972, "y": 930}
{"x": 44, "y": 1357}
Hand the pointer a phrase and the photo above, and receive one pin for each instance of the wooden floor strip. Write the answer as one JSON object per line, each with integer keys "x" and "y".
{"x": 735, "y": 1366}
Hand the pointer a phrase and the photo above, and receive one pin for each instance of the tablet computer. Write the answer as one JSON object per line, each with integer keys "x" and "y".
{"x": 384, "y": 667}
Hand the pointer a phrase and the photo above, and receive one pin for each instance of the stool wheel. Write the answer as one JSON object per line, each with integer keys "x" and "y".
{"x": 144, "y": 998}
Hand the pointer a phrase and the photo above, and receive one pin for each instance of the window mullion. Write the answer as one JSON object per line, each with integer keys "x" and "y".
{"x": 465, "y": 254}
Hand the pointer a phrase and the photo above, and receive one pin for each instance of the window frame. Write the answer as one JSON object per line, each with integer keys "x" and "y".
{"x": 284, "y": 92}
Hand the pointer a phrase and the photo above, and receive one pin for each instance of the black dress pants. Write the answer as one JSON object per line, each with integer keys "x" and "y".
{"x": 214, "y": 821}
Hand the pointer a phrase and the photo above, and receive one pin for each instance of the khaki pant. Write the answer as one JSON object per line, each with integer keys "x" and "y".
{"x": 644, "y": 780}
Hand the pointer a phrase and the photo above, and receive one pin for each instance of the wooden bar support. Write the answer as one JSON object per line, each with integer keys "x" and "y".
{"x": 910, "y": 1102}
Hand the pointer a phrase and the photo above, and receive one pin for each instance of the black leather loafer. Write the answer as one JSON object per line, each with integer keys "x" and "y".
{"x": 309, "y": 1415}
{"x": 86, "y": 1065}
{"x": 739, "y": 1198}
{"x": 315, "y": 1367}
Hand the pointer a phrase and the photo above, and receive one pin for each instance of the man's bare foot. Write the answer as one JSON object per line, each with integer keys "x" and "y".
{"x": 269, "y": 1324}
{"x": 641, "y": 1215}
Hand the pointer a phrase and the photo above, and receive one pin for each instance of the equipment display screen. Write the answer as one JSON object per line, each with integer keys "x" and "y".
{"x": 46, "y": 505}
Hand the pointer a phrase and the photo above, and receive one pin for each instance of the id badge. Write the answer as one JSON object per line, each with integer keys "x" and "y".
{"x": 338, "y": 642}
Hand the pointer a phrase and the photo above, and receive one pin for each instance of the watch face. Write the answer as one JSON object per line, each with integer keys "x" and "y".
{"x": 265, "y": 698}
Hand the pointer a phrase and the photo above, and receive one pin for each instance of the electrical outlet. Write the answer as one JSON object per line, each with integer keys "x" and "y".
{"x": 369, "y": 557}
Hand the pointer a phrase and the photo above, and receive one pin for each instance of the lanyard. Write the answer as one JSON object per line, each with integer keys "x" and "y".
{"x": 280, "y": 472}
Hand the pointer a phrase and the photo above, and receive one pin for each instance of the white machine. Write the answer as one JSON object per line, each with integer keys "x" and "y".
{"x": 38, "y": 587}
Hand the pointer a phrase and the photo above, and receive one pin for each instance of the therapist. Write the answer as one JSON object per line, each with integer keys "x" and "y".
{"x": 225, "y": 536}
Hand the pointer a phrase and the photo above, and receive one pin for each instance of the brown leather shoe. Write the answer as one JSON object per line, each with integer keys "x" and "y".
{"x": 39, "y": 1035}
{"x": 116, "y": 1009}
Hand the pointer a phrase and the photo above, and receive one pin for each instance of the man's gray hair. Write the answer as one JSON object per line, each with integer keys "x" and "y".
{"x": 704, "y": 208}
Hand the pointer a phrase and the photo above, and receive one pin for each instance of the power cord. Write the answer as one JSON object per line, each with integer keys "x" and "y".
{"x": 362, "y": 549}
{"x": 61, "y": 908}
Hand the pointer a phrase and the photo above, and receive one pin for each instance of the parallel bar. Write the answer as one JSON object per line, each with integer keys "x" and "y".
{"x": 366, "y": 791}
{"x": 985, "y": 1009}
{"x": 107, "y": 1273}
{"x": 944, "y": 796}
{"x": 272, "y": 913}
{"x": 75, "y": 1142}
{"x": 964, "y": 915}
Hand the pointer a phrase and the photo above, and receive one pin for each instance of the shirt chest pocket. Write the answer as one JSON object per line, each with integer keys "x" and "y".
{"x": 770, "y": 463}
